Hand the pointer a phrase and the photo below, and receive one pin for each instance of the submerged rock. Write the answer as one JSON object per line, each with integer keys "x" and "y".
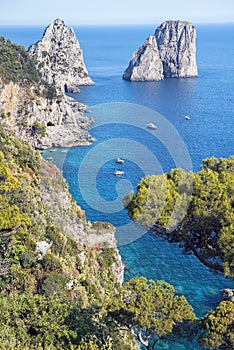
{"x": 169, "y": 53}
{"x": 59, "y": 58}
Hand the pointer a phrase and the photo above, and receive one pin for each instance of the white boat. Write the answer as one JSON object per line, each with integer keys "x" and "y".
{"x": 118, "y": 172}
{"x": 119, "y": 160}
{"x": 52, "y": 150}
{"x": 187, "y": 117}
{"x": 151, "y": 126}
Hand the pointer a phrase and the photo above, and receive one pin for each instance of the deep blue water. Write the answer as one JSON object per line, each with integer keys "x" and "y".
{"x": 121, "y": 111}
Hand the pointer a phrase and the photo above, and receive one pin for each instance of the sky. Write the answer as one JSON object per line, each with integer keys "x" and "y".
{"x": 82, "y": 12}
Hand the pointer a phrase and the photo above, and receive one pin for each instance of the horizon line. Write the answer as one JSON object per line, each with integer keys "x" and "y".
{"x": 107, "y": 24}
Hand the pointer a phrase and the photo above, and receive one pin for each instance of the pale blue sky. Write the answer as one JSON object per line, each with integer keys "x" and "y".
{"x": 79, "y": 12}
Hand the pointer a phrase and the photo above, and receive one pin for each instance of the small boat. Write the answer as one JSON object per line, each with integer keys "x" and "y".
{"x": 49, "y": 158}
{"x": 118, "y": 172}
{"x": 151, "y": 126}
{"x": 187, "y": 117}
{"x": 119, "y": 160}
{"x": 52, "y": 150}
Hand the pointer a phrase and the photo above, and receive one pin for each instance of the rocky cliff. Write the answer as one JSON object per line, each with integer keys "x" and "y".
{"x": 34, "y": 110}
{"x": 43, "y": 122}
{"x": 169, "y": 53}
{"x": 59, "y": 58}
{"x": 70, "y": 219}
{"x": 146, "y": 63}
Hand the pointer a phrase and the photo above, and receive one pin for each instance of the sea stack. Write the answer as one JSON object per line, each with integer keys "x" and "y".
{"x": 169, "y": 53}
{"x": 59, "y": 58}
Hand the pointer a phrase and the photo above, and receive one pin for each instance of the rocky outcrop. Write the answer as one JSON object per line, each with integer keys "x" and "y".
{"x": 42, "y": 247}
{"x": 59, "y": 58}
{"x": 62, "y": 121}
{"x": 228, "y": 294}
{"x": 146, "y": 63}
{"x": 169, "y": 53}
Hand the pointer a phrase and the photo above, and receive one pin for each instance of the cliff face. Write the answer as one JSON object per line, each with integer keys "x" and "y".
{"x": 70, "y": 219}
{"x": 169, "y": 53}
{"x": 35, "y": 202}
{"x": 177, "y": 46}
{"x": 146, "y": 63}
{"x": 59, "y": 58}
{"x": 61, "y": 119}
{"x": 34, "y": 110}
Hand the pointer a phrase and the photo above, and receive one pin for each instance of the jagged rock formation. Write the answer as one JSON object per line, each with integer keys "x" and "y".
{"x": 61, "y": 118}
{"x": 169, "y": 53}
{"x": 146, "y": 63}
{"x": 60, "y": 59}
{"x": 228, "y": 294}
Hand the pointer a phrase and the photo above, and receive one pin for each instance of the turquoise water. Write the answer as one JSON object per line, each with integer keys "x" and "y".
{"x": 121, "y": 111}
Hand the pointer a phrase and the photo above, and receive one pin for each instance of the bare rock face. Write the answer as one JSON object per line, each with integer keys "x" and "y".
{"x": 60, "y": 59}
{"x": 146, "y": 63}
{"x": 63, "y": 122}
{"x": 228, "y": 294}
{"x": 169, "y": 53}
{"x": 177, "y": 46}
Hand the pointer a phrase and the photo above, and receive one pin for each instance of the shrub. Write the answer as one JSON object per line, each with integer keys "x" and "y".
{"x": 39, "y": 129}
{"x": 51, "y": 262}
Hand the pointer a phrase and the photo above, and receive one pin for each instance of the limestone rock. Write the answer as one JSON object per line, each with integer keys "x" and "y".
{"x": 60, "y": 59}
{"x": 118, "y": 267}
{"x": 228, "y": 294}
{"x": 146, "y": 63}
{"x": 169, "y": 53}
{"x": 63, "y": 119}
{"x": 42, "y": 247}
{"x": 177, "y": 46}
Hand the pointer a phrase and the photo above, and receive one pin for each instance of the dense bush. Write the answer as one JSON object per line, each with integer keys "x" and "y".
{"x": 18, "y": 67}
{"x": 206, "y": 199}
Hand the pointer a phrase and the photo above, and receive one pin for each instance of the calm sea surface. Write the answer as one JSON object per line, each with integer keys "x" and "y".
{"x": 121, "y": 111}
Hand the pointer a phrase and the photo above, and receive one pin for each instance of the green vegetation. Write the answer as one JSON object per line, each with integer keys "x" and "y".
{"x": 52, "y": 301}
{"x": 207, "y": 200}
{"x": 18, "y": 67}
{"x": 150, "y": 310}
{"x": 67, "y": 298}
{"x": 37, "y": 128}
{"x": 218, "y": 327}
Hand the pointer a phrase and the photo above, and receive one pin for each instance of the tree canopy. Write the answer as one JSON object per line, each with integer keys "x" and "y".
{"x": 218, "y": 327}
{"x": 194, "y": 209}
{"x": 18, "y": 67}
{"x": 150, "y": 310}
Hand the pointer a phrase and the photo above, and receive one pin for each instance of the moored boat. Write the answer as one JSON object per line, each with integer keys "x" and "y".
{"x": 118, "y": 172}
{"x": 119, "y": 160}
{"x": 151, "y": 126}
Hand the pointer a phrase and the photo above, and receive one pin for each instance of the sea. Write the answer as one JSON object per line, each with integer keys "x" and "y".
{"x": 121, "y": 111}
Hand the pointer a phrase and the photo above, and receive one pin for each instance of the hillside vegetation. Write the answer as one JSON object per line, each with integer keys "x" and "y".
{"x": 44, "y": 300}
{"x": 16, "y": 66}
